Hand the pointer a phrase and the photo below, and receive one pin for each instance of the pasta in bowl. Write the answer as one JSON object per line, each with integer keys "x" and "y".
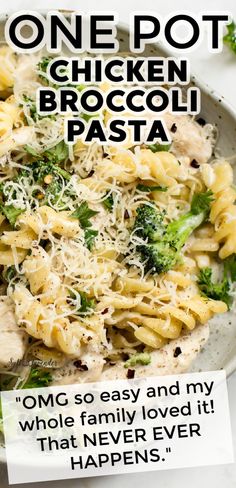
{"x": 113, "y": 259}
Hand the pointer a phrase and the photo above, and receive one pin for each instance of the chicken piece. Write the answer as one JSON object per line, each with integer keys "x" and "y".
{"x": 175, "y": 357}
{"x": 19, "y": 137}
{"x": 190, "y": 139}
{"x": 12, "y": 339}
{"x": 87, "y": 368}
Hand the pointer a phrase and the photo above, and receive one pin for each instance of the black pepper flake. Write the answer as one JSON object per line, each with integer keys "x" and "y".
{"x": 126, "y": 214}
{"x": 105, "y": 311}
{"x": 173, "y": 128}
{"x": 78, "y": 364}
{"x": 177, "y": 352}
{"x": 130, "y": 374}
{"x": 195, "y": 164}
{"x": 125, "y": 356}
{"x": 201, "y": 121}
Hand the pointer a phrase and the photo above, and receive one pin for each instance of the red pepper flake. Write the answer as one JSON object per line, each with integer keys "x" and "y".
{"x": 130, "y": 374}
{"x": 126, "y": 214}
{"x": 195, "y": 164}
{"x": 177, "y": 352}
{"x": 173, "y": 128}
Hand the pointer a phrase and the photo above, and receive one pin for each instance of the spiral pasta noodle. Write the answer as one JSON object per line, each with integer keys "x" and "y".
{"x": 158, "y": 323}
{"x": 223, "y": 211}
{"x": 7, "y": 68}
{"x": 55, "y": 331}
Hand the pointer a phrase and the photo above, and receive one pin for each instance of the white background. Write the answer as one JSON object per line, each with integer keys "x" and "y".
{"x": 219, "y": 71}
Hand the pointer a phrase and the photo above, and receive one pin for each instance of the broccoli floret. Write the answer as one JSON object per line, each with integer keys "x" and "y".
{"x": 53, "y": 191}
{"x": 159, "y": 257}
{"x": 164, "y": 242}
{"x": 41, "y": 169}
{"x": 219, "y": 290}
{"x": 139, "y": 358}
{"x": 50, "y": 177}
{"x": 216, "y": 291}
{"x": 149, "y": 223}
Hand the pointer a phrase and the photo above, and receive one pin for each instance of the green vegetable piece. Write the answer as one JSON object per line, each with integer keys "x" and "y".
{"x": 43, "y": 63}
{"x": 62, "y": 172}
{"x": 32, "y": 106}
{"x": 33, "y": 110}
{"x": 9, "y": 273}
{"x": 80, "y": 87}
{"x": 230, "y": 38}
{"x": 164, "y": 242}
{"x": 89, "y": 237}
{"x": 86, "y": 304}
{"x": 38, "y": 378}
{"x": 109, "y": 201}
{"x": 219, "y": 290}
{"x": 43, "y": 168}
{"x": 58, "y": 153}
{"x": 141, "y": 358}
{"x": 215, "y": 291}
{"x": 87, "y": 117}
{"x": 11, "y": 213}
{"x": 83, "y": 213}
{"x": 31, "y": 151}
{"x": 159, "y": 147}
{"x": 148, "y": 188}
{"x": 230, "y": 267}
{"x": 149, "y": 223}
{"x": 201, "y": 202}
